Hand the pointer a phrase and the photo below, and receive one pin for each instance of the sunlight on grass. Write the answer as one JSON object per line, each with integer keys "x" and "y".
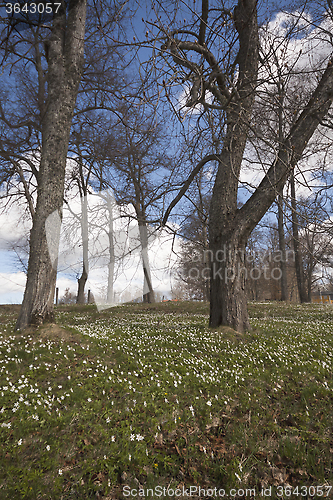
{"x": 152, "y": 396}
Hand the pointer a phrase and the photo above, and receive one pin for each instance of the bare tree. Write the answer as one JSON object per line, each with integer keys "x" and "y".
{"x": 65, "y": 64}
{"x": 228, "y": 82}
{"x": 56, "y": 52}
{"x": 194, "y": 265}
{"x": 135, "y": 166}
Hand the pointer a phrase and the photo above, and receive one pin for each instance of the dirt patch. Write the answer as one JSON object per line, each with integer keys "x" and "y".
{"x": 9, "y": 308}
{"x": 52, "y": 331}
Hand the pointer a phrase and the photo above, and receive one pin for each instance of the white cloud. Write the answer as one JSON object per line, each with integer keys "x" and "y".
{"x": 12, "y": 287}
{"x": 14, "y": 225}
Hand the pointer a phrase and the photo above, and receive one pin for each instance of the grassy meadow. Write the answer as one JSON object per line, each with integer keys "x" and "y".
{"x": 114, "y": 404}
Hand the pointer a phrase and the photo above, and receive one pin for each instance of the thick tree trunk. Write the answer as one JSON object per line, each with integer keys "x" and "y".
{"x": 282, "y": 248}
{"x": 65, "y": 56}
{"x": 298, "y": 254}
{"x": 226, "y": 222}
{"x": 227, "y": 298}
{"x": 228, "y": 274}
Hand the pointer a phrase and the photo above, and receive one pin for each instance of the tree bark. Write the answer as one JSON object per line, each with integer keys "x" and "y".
{"x": 206, "y": 262}
{"x": 228, "y": 303}
{"x": 85, "y": 243}
{"x": 303, "y": 297}
{"x": 110, "y": 291}
{"x": 65, "y": 64}
{"x": 282, "y": 248}
{"x": 148, "y": 291}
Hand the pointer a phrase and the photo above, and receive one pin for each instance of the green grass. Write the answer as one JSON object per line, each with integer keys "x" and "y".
{"x": 146, "y": 396}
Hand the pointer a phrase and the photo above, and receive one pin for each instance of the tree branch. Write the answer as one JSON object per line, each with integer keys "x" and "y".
{"x": 187, "y": 183}
{"x": 290, "y": 152}
{"x": 203, "y": 22}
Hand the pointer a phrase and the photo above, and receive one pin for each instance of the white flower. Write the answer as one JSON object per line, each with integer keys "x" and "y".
{"x": 48, "y": 447}
{"x": 209, "y": 403}
{"x": 144, "y": 403}
{"x": 60, "y": 472}
{"x": 139, "y": 437}
{"x": 132, "y": 437}
{"x": 19, "y": 442}
{"x": 113, "y": 439}
{"x": 89, "y": 400}
{"x": 239, "y": 479}
{"x": 129, "y": 457}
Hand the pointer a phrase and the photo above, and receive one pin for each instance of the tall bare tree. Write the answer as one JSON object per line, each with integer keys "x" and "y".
{"x": 137, "y": 169}
{"x": 219, "y": 59}
{"x": 65, "y": 64}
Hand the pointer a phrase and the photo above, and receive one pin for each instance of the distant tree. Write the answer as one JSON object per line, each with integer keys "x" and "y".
{"x": 312, "y": 239}
{"x": 136, "y": 164}
{"x": 68, "y": 297}
{"x": 194, "y": 264}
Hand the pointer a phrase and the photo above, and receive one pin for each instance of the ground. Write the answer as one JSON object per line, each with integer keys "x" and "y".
{"x": 139, "y": 397}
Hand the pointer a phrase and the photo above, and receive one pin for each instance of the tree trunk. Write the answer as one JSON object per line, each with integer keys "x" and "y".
{"x": 223, "y": 215}
{"x": 206, "y": 263}
{"x": 85, "y": 242}
{"x": 148, "y": 291}
{"x": 282, "y": 247}
{"x": 110, "y": 291}
{"x": 228, "y": 304}
{"x": 309, "y": 284}
{"x": 80, "y": 299}
{"x": 298, "y": 254}
{"x": 65, "y": 56}
{"x": 228, "y": 296}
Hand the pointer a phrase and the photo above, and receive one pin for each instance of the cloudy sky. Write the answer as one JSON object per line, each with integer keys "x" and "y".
{"x": 128, "y": 282}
